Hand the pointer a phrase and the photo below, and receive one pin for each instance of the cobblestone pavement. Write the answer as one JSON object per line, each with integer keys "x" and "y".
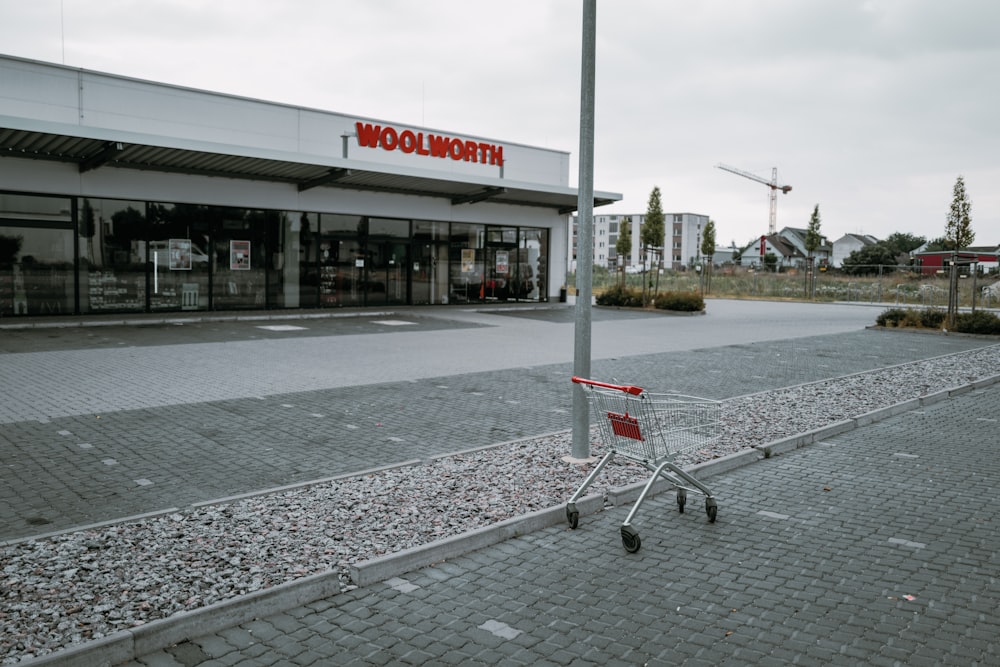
{"x": 102, "y": 423}
{"x": 879, "y": 546}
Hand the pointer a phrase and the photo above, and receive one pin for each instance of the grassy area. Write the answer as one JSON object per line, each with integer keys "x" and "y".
{"x": 899, "y": 287}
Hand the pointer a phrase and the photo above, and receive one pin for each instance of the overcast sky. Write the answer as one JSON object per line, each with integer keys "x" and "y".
{"x": 869, "y": 108}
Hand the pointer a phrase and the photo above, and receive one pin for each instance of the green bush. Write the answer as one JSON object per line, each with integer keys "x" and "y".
{"x": 620, "y": 295}
{"x": 630, "y": 297}
{"x": 932, "y": 318}
{"x": 891, "y": 317}
{"x": 686, "y": 302}
{"x": 980, "y": 322}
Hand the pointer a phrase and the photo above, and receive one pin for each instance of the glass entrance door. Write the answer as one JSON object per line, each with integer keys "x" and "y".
{"x": 429, "y": 273}
{"x": 387, "y": 273}
{"x": 501, "y": 258}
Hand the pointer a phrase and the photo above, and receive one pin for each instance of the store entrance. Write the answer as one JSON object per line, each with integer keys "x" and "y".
{"x": 387, "y": 273}
{"x": 501, "y": 256}
{"x": 429, "y": 273}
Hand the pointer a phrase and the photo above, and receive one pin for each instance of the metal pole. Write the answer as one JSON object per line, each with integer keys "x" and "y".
{"x": 975, "y": 273}
{"x": 585, "y": 235}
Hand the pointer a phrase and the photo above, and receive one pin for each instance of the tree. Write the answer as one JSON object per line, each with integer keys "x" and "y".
{"x": 707, "y": 251}
{"x": 902, "y": 243}
{"x": 936, "y": 245}
{"x": 813, "y": 237}
{"x": 651, "y": 235}
{"x": 868, "y": 260}
{"x": 708, "y": 240}
{"x": 9, "y": 247}
{"x": 623, "y": 246}
{"x": 812, "y": 241}
{"x": 958, "y": 232}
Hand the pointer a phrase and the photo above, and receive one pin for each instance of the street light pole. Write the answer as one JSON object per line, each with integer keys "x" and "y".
{"x": 585, "y": 236}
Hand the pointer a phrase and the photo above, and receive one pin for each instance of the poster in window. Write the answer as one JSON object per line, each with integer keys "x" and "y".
{"x": 503, "y": 261}
{"x": 180, "y": 254}
{"x": 239, "y": 255}
{"x": 468, "y": 260}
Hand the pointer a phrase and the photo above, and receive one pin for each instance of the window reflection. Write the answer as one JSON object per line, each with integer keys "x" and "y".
{"x": 94, "y": 255}
{"x": 36, "y": 255}
{"x": 112, "y": 255}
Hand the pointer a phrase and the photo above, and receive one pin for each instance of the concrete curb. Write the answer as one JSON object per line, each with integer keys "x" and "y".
{"x": 141, "y": 640}
{"x": 391, "y": 565}
{"x": 130, "y": 644}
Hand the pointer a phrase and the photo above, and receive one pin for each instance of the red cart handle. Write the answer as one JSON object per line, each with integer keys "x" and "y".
{"x": 628, "y": 389}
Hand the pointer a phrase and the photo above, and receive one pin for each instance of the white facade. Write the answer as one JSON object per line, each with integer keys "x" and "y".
{"x": 847, "y": 244}
{"x": 682, "y": 239}
{"x": 167, "y": 143}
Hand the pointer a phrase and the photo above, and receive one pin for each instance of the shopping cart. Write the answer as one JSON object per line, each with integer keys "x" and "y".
{"x": 651, "y": 429}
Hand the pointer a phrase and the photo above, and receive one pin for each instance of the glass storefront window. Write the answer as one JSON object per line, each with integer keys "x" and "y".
{"x": 429, "y": 259}
{"x": 178, "y": 258}
{"x": 239, "y": 269}
{"x": 430, "y": 230}
{"x": 341, "y": 261}
{"x": 531, "y": 269}
{"x": 291, "y": 277}
{"x": 348, "y": 225}
{"x": 466, "y": 263}
{"x": 111, "y": 244}
{"x": 92, "y": 255}
{"x": 383, "y": 227}
{"x": 36, "y": 255}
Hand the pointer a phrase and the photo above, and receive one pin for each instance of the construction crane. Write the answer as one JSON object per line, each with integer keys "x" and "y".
{"x": 773, "y": 184}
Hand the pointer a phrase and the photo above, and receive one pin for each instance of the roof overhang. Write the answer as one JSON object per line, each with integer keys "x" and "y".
{"x": 92, "y": 148}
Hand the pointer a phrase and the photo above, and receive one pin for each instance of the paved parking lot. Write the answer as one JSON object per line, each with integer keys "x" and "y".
{"x": 879, "y": 546}
{"x": 876, "y": 546}
{"x": 101, "y": 423}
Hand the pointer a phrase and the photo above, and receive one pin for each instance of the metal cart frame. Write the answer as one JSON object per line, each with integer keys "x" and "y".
{"x": 650, "y": 429}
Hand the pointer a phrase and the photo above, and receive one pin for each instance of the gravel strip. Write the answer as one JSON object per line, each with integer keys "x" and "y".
{"x": 84, "y": 585}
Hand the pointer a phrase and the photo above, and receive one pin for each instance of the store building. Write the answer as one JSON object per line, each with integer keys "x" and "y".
{"x": 122, "y": 195}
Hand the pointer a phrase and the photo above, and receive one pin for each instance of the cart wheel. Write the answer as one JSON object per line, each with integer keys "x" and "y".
{"x": 630, "y": 539}
{"x": 573, "y": 517}
{"x": 711, "y": 509}
{"x": 682, "y": 497}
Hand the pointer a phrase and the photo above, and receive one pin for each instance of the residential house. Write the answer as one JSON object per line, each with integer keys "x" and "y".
{"x": 787, "y": 255}
{"x": 797, "y": 237}
{"x": 847, "y": 244}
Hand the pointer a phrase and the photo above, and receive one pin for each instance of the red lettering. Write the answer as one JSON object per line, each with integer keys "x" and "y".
{"x": 389, "y": 138}
{"x": 496, "y": 156}
{"x": 439, "y": 145}
{"x": 470, "y": 151}
{"x": 368, "y": 134}
{"x": 484, "y": 150}
{"x": 407, "y": 141}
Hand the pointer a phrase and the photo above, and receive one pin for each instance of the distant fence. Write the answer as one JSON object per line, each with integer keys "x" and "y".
{"x": 895, "y": 285}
